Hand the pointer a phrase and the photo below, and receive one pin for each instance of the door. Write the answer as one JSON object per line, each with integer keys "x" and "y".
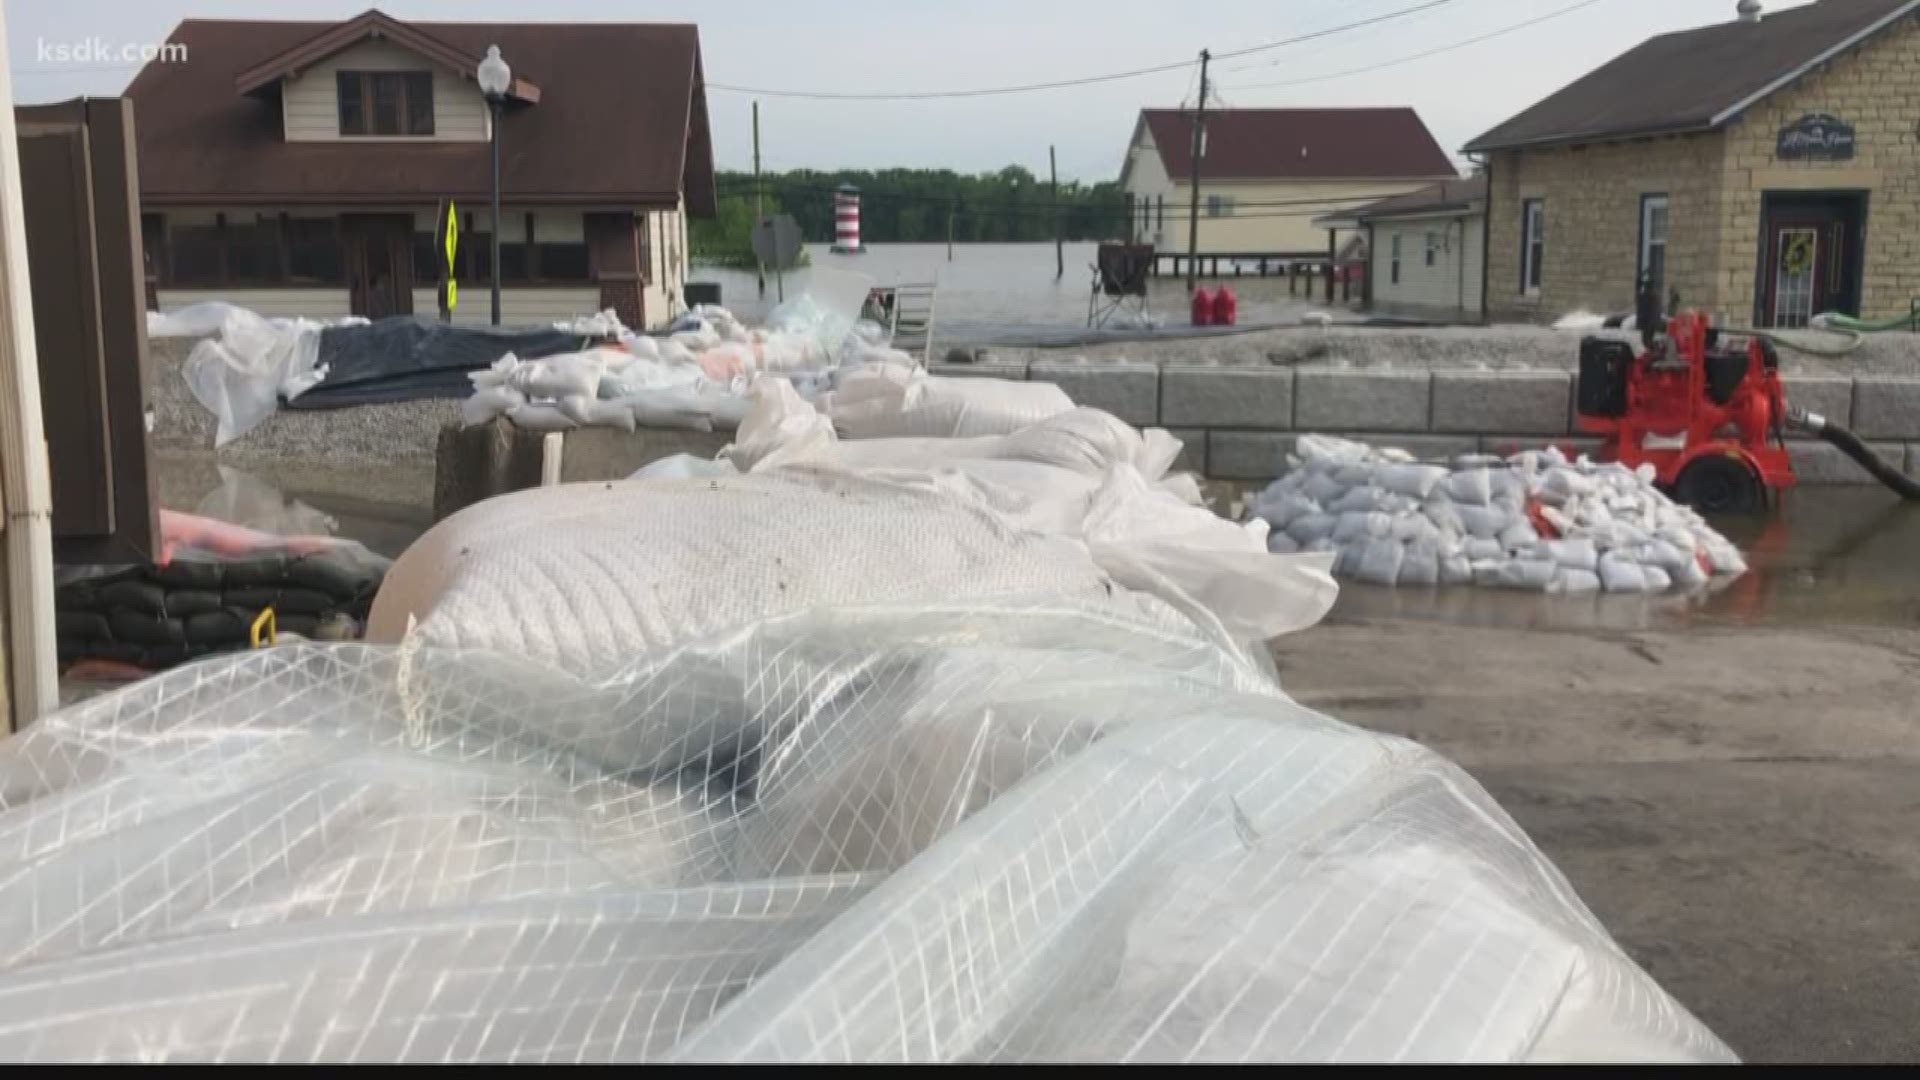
{"x": 379, "y": 250}
{"x": 1810, "y": 262}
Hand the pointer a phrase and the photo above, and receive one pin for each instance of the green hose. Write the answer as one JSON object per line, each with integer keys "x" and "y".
{"x": 1835, "y": 321}
{"x": 1850, "y": 340}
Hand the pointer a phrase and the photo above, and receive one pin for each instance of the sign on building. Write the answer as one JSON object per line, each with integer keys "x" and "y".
{"x": 1815, "y": 137}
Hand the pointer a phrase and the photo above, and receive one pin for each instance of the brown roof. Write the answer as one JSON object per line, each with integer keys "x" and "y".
{"x": 1446, "y": 195}
{"x": 1300, "y": 144}
{"x": 621, "y": 120}
{"x": 1697, "y": 80}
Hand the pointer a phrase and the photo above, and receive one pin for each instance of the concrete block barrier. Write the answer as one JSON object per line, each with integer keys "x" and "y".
{"x": 1529, "y": 402}
{"x": 1355, "y": 400}
{"x": 1193, "y": 450}
{"x": 1230, "y": 396}
{"x": 1886, "y": 407}
{"x": 1829, "y": 395}
{"x": 1247, "y": 455}
{"x": 1823, "y": 463}
{"x": 1129, "y": 389}
{"x": 991, "y": 369}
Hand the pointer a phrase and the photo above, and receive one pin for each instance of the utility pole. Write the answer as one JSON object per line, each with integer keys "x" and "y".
{"x": 1059, "y": 252}
{"x": 1199, "y": 148}
{"x": 759, "y": 209}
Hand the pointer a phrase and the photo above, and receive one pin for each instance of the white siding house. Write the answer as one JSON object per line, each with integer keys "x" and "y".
{"x": 1426, "y": 250}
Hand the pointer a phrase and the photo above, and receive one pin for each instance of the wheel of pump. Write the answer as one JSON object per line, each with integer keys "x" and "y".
{"x": 1719, "y": 484}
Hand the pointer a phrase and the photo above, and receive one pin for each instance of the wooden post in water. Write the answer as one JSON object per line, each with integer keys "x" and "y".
{"x": 759, "y": 210}
{"x": 1059, "y": 251}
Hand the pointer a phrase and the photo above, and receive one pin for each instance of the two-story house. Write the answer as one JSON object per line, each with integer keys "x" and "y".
{"x": 1266, "y": 174}
{"x": 302, "y": 168}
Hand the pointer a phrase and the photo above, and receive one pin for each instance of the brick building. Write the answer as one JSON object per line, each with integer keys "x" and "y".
{"x": 1766, "y": 168}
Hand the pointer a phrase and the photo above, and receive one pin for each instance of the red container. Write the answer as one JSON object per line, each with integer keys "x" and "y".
{"x": 1226, "y": 307}
{"x": 1202, "y": 307}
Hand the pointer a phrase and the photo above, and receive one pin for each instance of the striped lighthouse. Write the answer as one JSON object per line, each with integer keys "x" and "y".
{"x": 846, "y": 221}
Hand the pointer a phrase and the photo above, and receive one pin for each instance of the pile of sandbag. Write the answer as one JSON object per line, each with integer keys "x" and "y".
{"x": 1533, "y": 521}
{"x": 207, "y": 589}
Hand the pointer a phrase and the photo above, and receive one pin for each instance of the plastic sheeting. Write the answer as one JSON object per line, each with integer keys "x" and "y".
{"x": 1046, "y": 830}
{"x": 409, "y": 357}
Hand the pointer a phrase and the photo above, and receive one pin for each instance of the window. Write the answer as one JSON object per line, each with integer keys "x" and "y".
{"x": 252, "y": 242}
{"x": 391, "y": 103}
{"x": 1533, "y": 243}
{"x": 1653, "y": 239}
{"x": 1219, "y": 206}
{"x": 1394, "y": 267}
{"x": 1433, "y": 247}
{"x": 194, "y": 256}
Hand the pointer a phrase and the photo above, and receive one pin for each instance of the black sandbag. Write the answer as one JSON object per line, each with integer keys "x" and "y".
{"x": 145, "y": 597}
{"x": 86, "y": 625}
{"x": 344, "y": 575}
{"x": 225, "y": 627}
{"x": 282, "y": 601}
{"x": 267, "y": 570}
{"x": 187, "y": 573}
{"x": 408, "y": 357}
{"x": 122, "y": 652}
{"x": 68, "y": 649}
{"x": 182, "y": 603}
{"x": 304, "y": 625}
{"x": 141, "y": 629}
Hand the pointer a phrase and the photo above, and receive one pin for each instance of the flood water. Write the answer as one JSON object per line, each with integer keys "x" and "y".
{"x": 1828, "y": 556}
{"x": 989, "y": 292}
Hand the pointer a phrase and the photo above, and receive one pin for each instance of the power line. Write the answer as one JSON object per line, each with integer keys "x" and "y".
{"x": 728, "y": 188}
{"x": 1489, "y": 36}
{"x": 922, "y": 95}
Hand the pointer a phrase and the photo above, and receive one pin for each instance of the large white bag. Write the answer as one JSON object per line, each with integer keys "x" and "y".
{"x": 890, "y": 401}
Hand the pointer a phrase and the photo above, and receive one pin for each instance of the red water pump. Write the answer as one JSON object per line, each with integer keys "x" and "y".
{"x": 1708, "y": 415}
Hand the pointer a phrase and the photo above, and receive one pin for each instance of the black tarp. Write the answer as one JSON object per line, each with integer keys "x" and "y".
{"x": 409, "y": 357}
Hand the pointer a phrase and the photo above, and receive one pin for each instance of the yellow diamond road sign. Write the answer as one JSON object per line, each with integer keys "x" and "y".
{"x": 453, "y": 243}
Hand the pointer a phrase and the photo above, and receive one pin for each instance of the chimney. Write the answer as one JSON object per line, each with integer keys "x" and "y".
{"x": 1748, "y": 11}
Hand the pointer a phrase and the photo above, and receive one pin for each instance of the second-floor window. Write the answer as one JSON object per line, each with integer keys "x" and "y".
{"x": 397, "y": 103}
{"x": 1533, "y": 244}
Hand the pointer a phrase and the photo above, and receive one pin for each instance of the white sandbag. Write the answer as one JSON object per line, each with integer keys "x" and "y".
{"x": 1456, "y": 570}
{"x": 1310, "y": 529}
{"x": 1576, "y": 554}
{"x": 1281, "y": 510}
{"x": 1414, "y": 481}
{"x": 1528, "y": 574}
{"x": 487, "y": 403}
{"x": 1445, "y": 517}
{"x": 1519, "y": 535}
{"x": 642, "y": 346}
{"x": 1724, "y": 557}
{"x": 1484, "y": 521}
{"x": 1355, "y": 474}
{"x": 1378, "y": 561}
{"x": 668, "y": 409}
{"x": 673, "y": 352}
{"x": 1619, "y": 574}
{"x": 1688, "y": 573}
{"x": 1563, "y": 485}
{"x": 1280, "y": 543}
{"x": 565, "y": 375}
{"x": 1573, "y": 580}
{"x": 1361, "y": 525}
{"x": 1475, "y": 487}
{"x": 683, "y": 467}
{"x": 592, "y": 412}
{"x": 1658, "y": 580}
{"x": 1484, "y": 549}
{"x": 1611, "y": 534}
{"x": 1415, "y": 529}
{"x": 1323, "y": 545}
{"x": 1420, "y": 563}
{"x": 887, "y": 401}
{"x": 541, "y": 416}
{"x": 1323, "y": 488}
{"x": 1359, "y": 499}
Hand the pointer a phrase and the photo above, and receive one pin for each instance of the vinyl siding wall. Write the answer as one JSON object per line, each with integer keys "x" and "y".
{"x": 311, "y": 98}
{"x": 1450, "y": 287}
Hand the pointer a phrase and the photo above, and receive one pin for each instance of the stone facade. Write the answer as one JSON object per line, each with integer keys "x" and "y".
{"x": 1715, "y": 183}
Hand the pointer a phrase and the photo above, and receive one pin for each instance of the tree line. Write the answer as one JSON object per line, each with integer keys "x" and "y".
{"x": 914, "y": 206}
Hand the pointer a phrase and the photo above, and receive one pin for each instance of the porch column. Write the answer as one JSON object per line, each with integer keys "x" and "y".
{"x": 613, "y": 247}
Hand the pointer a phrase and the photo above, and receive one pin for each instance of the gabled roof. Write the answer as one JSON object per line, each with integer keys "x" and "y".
{"x": 1299, "y": 144}
{"x": 1449, "y": 197}
{"x": 1697, "y": 80}
{"x": 369, "y": 25}
{"x": 622, "y": 121}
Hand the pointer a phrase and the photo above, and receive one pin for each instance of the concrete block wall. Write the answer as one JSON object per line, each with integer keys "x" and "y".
{"x": 1238, "y": 420}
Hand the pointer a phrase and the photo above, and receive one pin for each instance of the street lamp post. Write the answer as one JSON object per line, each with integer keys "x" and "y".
{"x": 494, "y": 77}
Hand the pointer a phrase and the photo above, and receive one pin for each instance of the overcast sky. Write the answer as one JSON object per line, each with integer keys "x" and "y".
{"x": 914, "y": 45}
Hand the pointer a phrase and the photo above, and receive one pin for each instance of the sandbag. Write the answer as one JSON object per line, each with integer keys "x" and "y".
{"x": 1380, "y": 560}
{"x": 1420, "y": 563}
{"x": 1413, "y": 481}
{"x": 143, "y": 597}
{"x": 1309, "y": 529}
{"x": 1573, "y": 580}
{"x": 1621, "y": 575}
{"x": 225, "y": 627}
{"x": 1361, "y": 525}
{"x": 81, "y": 625}
{"x": 139, "y": 629}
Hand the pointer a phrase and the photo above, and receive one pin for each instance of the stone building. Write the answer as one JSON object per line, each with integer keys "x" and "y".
{"x": 1766, "y": 169}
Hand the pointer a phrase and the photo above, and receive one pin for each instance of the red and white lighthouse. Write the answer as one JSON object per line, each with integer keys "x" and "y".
{"x": 846, "y": 221}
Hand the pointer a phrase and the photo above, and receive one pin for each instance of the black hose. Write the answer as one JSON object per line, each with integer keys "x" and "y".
{"x": 1849, "y": 443}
